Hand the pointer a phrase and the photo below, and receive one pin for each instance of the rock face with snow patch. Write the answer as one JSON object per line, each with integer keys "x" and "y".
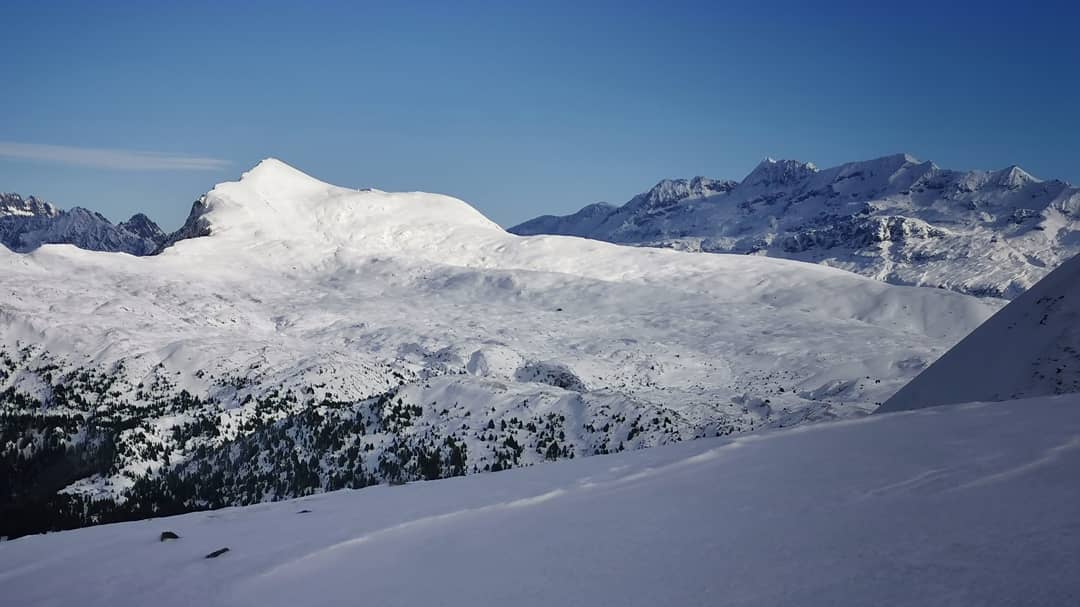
{"x": 26, "y": 224}
{"x": 195, "y": 226}
{"x": 1030, "y": 348}
{"x": 987, "y": 233}
{"x": 552, "y": 373}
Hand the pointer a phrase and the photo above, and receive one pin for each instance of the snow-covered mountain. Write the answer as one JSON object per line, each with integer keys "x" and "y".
{"x": 1030, "y": 348}
{"x": 308, "y": 337}
{"x": 963, "y": 505}
{"x": 26, "y": 224}
{"x": 896, "y": 219}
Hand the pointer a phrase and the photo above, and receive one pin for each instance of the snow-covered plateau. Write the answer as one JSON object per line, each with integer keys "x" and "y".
{"x": 896, "y": 219}
{"x": 298, "y": 337}
{"x": 968, "y": 504}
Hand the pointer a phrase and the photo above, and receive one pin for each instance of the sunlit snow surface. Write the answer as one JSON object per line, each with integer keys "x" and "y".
{"x": 301, "y": 274}
{"x": 959, "y": 505}
{"x": 335, "y": 293}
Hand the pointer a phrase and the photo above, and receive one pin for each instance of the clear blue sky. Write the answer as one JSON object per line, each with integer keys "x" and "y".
{"x": 520, "y": 108}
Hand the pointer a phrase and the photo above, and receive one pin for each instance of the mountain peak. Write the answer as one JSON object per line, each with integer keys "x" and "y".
{"x": 143, "y": 226}
{"x": 282, "y": 179}
{"x": 276, "y": 203}
{"x": 779, "y": 172}
{"x": 1013, "y": 177}
{"x": 274, "y": 166}
{"x": 670, "y": 191}
{"x": 14, "y": 204}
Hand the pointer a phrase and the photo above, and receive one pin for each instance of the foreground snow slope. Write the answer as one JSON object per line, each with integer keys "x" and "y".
{"x": 961, "y": 505}
{"x": 1029, "y": 348}
{"x": 353, "y": 336}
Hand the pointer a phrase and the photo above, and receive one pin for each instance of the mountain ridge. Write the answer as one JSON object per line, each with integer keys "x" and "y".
{"x": 894, "y": 218}
{"x": 26, "y": 224}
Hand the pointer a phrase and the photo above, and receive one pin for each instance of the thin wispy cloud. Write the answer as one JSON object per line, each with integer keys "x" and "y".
{"x": 102, "y": 158}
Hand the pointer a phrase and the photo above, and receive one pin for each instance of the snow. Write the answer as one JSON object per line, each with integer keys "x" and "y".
{"x": 330, "y": 291}
{"x": 957, "y": 505}
{"x": 1030, "y": 348}
{"x": 895, "y": 218}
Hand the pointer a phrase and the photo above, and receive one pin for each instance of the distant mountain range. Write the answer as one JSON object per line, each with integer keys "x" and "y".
{"x": 26, "y": 224}
{"x": 896, "y": 219}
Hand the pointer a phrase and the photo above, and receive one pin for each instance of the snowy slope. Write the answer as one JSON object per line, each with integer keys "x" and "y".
{"x": 321, "y": 337}
{"x": 26, "y": 224}
{"x": 1030, "y": 348}
{"x": 895, "y": 219}
{"x": 842, "y": 513}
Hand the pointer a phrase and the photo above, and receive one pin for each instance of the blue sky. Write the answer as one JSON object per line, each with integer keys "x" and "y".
{"x": 520, "y": 108}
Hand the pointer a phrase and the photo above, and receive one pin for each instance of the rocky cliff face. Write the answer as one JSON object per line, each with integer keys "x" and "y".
{"x": 26, "y": 224}
{"x": 194, "y": 226}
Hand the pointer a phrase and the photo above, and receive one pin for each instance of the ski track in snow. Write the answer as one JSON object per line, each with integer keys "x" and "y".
{"x": 1050, "y": 456}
